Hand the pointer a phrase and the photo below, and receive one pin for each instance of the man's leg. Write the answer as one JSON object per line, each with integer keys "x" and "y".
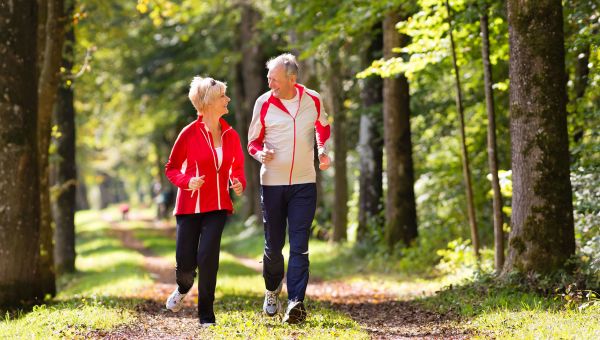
{"x": 274, "y": 219}
{"x": 213, "y": 223}
{"x": 301, "y": 212}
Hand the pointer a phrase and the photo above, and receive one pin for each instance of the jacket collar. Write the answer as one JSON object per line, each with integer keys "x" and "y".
{"x": 224, "y": 125}
{"x": 277, "y": 102}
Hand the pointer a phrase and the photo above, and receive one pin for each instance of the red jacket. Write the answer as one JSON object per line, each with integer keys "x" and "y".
{"x": 194, "y": 155}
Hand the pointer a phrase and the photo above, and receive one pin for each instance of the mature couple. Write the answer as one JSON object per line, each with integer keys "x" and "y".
{"x": 207, "y": 161}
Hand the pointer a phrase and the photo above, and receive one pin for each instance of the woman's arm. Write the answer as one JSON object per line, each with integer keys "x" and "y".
{"x": 176, "y": 159}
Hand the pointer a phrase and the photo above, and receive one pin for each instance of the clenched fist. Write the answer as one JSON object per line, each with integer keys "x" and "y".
{"x": 196, "y": 182}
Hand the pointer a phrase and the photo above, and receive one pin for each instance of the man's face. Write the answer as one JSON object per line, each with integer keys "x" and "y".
{"x": 281, "y": 84}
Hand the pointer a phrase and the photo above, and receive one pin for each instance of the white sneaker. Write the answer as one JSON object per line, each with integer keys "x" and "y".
{"x": 207, "y": 324}
{"x": 272, "y": 305}
{"x": 175, "y": 301}
{"x": 296, "y": 312}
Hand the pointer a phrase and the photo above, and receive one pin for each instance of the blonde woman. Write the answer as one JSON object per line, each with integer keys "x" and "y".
{"x": 205, "y": 162}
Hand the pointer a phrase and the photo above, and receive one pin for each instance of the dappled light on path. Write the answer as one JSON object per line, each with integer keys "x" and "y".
{"x": 381, "y": 312}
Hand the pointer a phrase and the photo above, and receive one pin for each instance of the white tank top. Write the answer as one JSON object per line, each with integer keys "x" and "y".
{"x": 219, "y": 151}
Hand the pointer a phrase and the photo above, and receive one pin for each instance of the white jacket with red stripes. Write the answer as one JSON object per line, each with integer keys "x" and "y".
{"x": 290, "y": 135}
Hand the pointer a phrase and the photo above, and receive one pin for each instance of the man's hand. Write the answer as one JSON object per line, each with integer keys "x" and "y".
{"x": 266, "y": 155}
{"x": 237, "y": 187}
{"x": 196, "y": 182}
{"x": 324, "y": 162}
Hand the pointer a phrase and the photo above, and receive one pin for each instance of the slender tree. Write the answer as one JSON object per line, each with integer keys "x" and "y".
{"x": 491, "y": 141}
{"x": 370, "y": 140}
{"x": 542, "y": 236}
{"x": 336, "y": 98}
{"x": 19, "y": 180}
{"x": 250, "y": 84}
{"x": 465, "y": 155}
{"x": 50, "y": 38}
{"x": 401, "y": 213}
{"x": 63, "y": 172}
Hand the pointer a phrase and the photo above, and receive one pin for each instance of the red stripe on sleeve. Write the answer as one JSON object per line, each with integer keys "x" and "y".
{"x": 256, "y": 145}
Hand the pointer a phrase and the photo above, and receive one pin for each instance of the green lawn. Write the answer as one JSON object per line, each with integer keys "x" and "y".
{"x": 97, "y": 297}
{"x": 501, "y": 311}
{"x": 100, "y": 296}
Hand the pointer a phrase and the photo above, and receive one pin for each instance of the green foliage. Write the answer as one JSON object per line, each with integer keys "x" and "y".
{"x": 132, "y": 101}
{"x": 459, "y": 259}
{"x": 578, "y": 298}
{"x": 586, "y": 205}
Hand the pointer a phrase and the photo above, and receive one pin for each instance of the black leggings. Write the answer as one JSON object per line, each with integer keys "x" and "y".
{"x": 198, "y": 245}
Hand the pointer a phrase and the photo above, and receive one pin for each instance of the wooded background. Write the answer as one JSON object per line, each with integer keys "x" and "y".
{"x": 474, "y": 123}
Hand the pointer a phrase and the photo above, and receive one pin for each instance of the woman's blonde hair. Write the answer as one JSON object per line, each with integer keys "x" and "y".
{"x": 204, "y": 90}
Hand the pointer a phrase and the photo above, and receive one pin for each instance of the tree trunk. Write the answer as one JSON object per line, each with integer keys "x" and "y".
{"x": 81, "y": 199}
{"x": 370, "y": 143}
{"x": 336, "y": 98}
{"x": 491, "y": 142}
{"x": 251, "y": 84}
{"x": 463, "y": 143}
{"x": 401, "y": 213}
{"x": 19, "y": 180}
{"x": 64, "y": 173}
{"x": 52, "y": 33}
{"x": 542, "y": 236}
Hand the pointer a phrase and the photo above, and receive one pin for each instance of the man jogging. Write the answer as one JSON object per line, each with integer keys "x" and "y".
{"x": 285, "y": 122}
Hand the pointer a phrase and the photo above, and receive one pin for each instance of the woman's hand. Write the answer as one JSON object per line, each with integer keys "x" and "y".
{"x": 196, "y": 182}
{"x": 237, "y": 187}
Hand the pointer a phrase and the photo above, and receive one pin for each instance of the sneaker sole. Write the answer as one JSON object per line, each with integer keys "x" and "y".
{"x": 175, "y": 309}
{"x": 295, "y": 316}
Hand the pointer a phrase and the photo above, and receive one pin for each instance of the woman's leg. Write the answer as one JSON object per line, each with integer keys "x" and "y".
{"x": 188, "y": 235}
{"x": 208, "y": 262}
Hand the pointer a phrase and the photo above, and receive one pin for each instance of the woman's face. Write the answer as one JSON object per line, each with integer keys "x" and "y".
{"x": 219, "y": 104}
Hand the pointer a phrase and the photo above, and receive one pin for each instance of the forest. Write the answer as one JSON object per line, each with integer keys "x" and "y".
{"x": 463, "y": 198}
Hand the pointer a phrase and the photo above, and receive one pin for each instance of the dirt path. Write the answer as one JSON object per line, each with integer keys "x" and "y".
{"x": 378, "y": 312}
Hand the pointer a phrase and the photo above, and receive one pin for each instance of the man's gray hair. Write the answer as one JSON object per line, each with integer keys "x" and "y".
{"x": 287, "y": 60}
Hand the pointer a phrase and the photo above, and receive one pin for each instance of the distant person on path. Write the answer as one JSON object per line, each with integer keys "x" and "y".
{"x": 281, "y": 136}
{"x": 205, "y": 162}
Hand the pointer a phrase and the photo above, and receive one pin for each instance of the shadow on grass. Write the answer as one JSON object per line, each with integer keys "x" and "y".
{"x": 233, "y": 268}
{"x": 246, "y": 242}
{"x": 156, "y": 241}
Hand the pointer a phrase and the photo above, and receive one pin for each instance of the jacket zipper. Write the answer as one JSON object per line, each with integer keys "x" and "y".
{"x": 215, "y": 159}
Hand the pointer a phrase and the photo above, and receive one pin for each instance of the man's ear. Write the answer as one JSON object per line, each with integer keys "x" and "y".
{"x": 293, "y": 78}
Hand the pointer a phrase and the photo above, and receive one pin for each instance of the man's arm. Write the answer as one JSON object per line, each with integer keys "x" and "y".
{"x": 256, "y": 131}
{"x": 322, "y": 134}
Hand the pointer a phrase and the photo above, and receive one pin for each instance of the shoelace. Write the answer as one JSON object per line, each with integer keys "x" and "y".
{"x": 271, "y": 298}
{"x": 177, "y": 298}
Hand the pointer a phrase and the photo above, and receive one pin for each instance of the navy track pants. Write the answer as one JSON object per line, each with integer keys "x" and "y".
{"x": 294, "y": 206}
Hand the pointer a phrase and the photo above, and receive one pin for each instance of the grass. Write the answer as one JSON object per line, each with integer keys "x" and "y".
{"x": 335, "y": 262}
{"x": 97, "y": 297}
{"x": 239, "y": 294}
{"x": 100, "y": 296}
{"x": 486, "y": 309}
{"x": 502, "y": 311}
